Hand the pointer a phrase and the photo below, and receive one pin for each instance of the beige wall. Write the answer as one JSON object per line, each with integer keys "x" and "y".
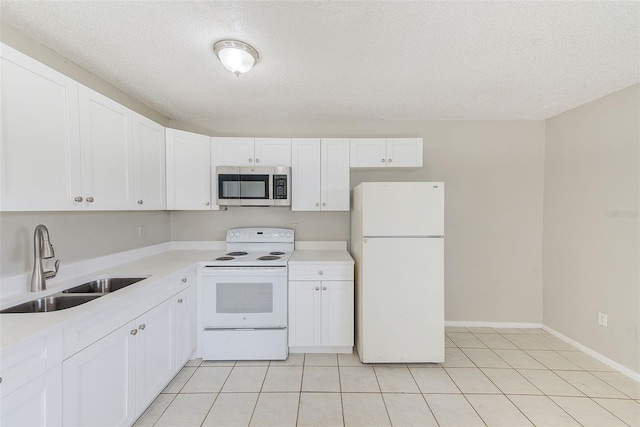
{"x": 494, "y": 175}
{"x": 591, "y": 233}
{"x": 77, "y": 235}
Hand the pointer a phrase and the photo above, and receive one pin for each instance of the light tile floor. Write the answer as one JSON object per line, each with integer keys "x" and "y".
{"x": 491, "y": 377}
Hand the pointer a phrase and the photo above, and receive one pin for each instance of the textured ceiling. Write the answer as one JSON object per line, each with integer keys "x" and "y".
{"x": 348, "y": 60}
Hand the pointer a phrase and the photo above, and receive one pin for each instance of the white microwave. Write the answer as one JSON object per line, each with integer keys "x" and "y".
{"x": 253, "y": 186}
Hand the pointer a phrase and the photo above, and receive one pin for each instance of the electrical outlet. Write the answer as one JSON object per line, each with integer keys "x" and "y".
{"x": 141, "y": 231}
{"x": 602, "y": 319}
{"x": 296, "y": 227}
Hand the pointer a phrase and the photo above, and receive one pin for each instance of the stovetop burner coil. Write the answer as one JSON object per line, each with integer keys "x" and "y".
{"x": 239, "y": 253}
{"x": 268, "y": 258}
{"x": 276, "y": 253}
{"x": 224, "y": 258}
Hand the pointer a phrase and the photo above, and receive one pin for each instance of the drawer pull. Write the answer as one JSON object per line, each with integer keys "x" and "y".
{"x": 180, "y": 301}
{"x": 134, "y": 332}
{"x": 184, "y": 280}
{"x": 324, "y": 288}
{"x": 142, "y": 327}
{"x": 321, "y": 272}
{"x": 317, "y": 288}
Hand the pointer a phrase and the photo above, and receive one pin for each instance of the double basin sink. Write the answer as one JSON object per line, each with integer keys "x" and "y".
{"x": 75, "y": 296}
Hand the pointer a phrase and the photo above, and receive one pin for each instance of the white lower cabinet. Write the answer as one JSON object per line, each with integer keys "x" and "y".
{"x": 37, "y": 403}
{"x": 99, "y": 382}
{"x": 185, "y": 327}
{"x": 111, "y": 382}
{"x": 320, "y": 311}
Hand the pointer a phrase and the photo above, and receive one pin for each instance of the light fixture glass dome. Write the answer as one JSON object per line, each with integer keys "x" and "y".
{"x": 236, "y": 56}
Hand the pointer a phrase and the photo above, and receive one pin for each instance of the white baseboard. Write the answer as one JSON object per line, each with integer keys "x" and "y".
{"x": 474, "y": 324}
{"x": 615, "y": 365}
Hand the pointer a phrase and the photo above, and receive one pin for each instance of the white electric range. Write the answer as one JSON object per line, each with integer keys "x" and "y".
{"x": 242, "y": 301}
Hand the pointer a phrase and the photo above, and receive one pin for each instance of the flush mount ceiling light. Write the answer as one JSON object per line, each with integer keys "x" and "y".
{"x": 236, "y": 56}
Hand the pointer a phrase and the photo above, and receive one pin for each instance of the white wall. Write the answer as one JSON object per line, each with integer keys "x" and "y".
{"x": 591, "y": 233}
{"x": 494, "y": 176}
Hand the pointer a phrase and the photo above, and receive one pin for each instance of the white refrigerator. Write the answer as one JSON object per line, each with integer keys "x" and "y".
{"x": 397, "y": 241}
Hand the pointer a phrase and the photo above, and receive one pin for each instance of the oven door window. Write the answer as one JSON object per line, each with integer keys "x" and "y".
{"x": 244, "y": 298}
{"x": 253, "y": 187}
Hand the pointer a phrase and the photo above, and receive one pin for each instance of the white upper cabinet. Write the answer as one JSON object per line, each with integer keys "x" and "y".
{"x": 320, "y": 174}
{"x": 386, "y": 152}
{"x": 188, "y": 171}
{"x": 39, "y": 147}
{"x": 149, "y": 164}
{"x": 334, "y": 174}
{"x": 106, "y": 138}
{"x": 253, "y": 151}
{"x": 273, "y": 152}
{"x": 305, "y": 174}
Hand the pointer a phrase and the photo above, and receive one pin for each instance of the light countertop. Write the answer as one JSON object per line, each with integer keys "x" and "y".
{"x": 320, "y": 256}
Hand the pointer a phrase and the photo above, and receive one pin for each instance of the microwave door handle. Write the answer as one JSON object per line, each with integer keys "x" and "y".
{"x": 271, "y": 194}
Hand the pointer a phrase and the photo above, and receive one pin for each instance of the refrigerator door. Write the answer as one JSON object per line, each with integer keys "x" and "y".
{"x": 400, "y": 300}
{"x": 402, "y": 209}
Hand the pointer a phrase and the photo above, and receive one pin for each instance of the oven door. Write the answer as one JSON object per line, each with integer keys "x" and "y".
{"x": 244, "y": 297}
{"x": 244, "y": 186}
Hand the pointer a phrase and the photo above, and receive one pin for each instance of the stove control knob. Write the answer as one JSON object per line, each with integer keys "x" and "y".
{"x": 237, "y": 234}
{"x": 288, "y": 234}
{"x": 281, "y": 234}
{"x": 231, "y": 234}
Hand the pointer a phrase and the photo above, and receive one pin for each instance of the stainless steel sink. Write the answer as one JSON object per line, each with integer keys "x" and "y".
{"x": 101, "y": 286}
{"x": 52, "y": 303}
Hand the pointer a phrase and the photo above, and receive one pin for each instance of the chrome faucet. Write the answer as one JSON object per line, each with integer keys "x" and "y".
{"x": 42, "y": 249}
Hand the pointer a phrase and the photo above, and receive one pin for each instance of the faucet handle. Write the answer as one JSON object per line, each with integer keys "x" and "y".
{"x": 52, "y": 274}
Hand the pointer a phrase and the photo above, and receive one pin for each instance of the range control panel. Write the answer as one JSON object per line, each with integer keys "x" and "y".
{"x": 260, "y": 235}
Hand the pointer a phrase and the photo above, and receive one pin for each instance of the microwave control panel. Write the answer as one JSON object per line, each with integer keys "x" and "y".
{"x": 279, "y": 186}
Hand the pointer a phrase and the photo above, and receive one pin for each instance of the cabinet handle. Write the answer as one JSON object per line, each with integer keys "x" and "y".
{"x": 141, "y": 327}
{"x": 207, "y": 203}
{"x": 317, "y": 288}
{"x": 383, "y": 160}
{"x": 250, "y": 160}
{"x": 257, "y": 160}
{"x": 390, "y": 160}
{"x": 90, "y": 199}
{"x": 317, "y": 204}
{"x": 180, "y": 301}
{"x": 78, "y": 199}
{"x": 134, "y": 331}
{"x": 321, "y": 272}
{"x": 0, "y": 380}
{"x": 324, "y": 203}
{"x": 140, "y": 202}
{"x": 184, "y": 280}
{"x": 324, "y": 288}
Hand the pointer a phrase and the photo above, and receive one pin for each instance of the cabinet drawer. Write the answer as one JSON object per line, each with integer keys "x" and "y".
{"x": 337, "y": 271}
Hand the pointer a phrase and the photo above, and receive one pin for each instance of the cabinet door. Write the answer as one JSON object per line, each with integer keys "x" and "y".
{"x": 99, "y": 382}
{"x": 234, "y": 151}
{"x": 404, "y": 152}
{"x": 368, "y": 152}
{"x": 304, "y": 313}
{"x": 337, "y": 313}
{"x": 154, "y": 353}
{"x": 188, "y": 171}
{"x": 149, "y": 165}
{"x": 184, "y": 343}
{"x": 335, "y": 174}
{"x": 39, "y": 149}
{"x": 273, "y": 152}
{"x": 305, "y": 174}
{"x": 106, "y": 138}
{"x": 37, "y": 403}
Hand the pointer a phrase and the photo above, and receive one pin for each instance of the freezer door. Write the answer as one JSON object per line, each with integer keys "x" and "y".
{"x": 402, "y": 209}
{"x": 401, "y": 300}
